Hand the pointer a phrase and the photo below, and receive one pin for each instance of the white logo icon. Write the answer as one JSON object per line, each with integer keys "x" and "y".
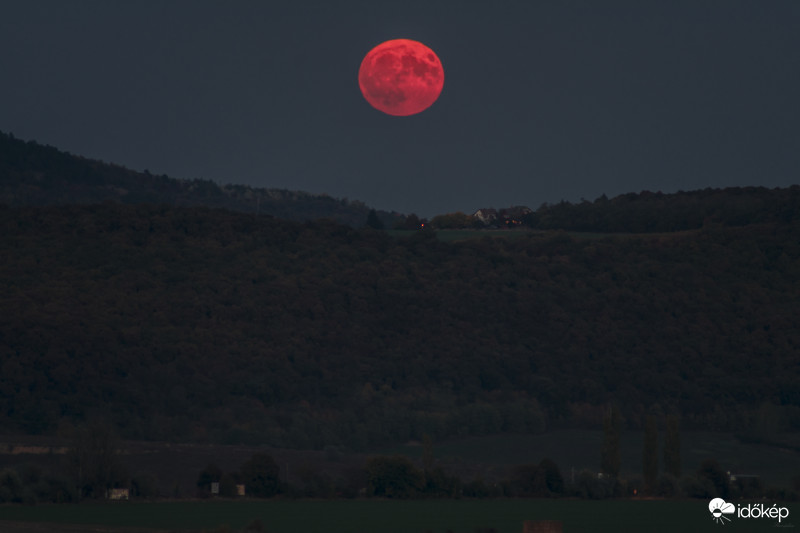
{"x": 719, "y": 508}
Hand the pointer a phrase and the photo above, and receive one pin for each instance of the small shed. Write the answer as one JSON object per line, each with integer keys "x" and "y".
{"x": 118, "y": 494}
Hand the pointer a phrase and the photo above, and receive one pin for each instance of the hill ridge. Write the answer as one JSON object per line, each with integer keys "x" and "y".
{"x": 35, "y": 174}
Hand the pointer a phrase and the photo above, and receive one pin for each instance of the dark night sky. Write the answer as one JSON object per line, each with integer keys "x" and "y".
{"x": 543, "y": 100}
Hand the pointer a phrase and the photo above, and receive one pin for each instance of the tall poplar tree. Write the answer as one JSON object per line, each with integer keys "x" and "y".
{"x": 650, "y": 454}
{"x": 672, "y": 447}
{"x": 611, "y": 460}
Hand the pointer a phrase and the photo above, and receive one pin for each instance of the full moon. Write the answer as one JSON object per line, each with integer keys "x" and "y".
{"x": 401, "y": 77}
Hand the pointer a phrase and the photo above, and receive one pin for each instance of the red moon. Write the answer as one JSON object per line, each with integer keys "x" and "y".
{"x": 401, "y": 77}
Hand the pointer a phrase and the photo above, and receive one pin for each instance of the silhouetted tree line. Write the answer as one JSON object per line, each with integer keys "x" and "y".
{"x": 95, "y": 463}
{"x": 649, "y": 212}
{"x": 398, "y": 477}
{"x": 209, "y": 325}
{"x": 91, "y": 467}
{"x": 260, "y": 476}
{"x": 653, "y": 212}
{"x": 33, "y": 174}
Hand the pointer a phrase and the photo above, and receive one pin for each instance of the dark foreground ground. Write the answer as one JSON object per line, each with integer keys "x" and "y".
{"x": 28, "y": 527}
{"x": 384, "y": 516}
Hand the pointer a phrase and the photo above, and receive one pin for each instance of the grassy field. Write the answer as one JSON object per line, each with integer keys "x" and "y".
{"x": 370, "y": 516}
{"x": 454, "y": 235}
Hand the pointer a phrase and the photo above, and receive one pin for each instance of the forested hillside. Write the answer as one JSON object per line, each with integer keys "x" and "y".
{"x": 644, "y": 212}
{"x": 201, "y": 324}
{"x": 649, "y": 212}
{"x": 32, "y": 174}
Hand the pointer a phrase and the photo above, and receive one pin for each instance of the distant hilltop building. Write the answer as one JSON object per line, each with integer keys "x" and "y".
{"x": 487, "y": 216}
{"x": 510, "y": 216}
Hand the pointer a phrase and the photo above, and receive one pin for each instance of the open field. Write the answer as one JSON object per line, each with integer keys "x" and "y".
{"x": 454, "y": 235}
{"x": 368, "y": 516}
{"x": 50, "y": 527}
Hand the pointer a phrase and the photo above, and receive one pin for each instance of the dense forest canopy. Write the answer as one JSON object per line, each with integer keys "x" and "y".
{"x": 206, "y": 324}
{"x": 180, "y": 311}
